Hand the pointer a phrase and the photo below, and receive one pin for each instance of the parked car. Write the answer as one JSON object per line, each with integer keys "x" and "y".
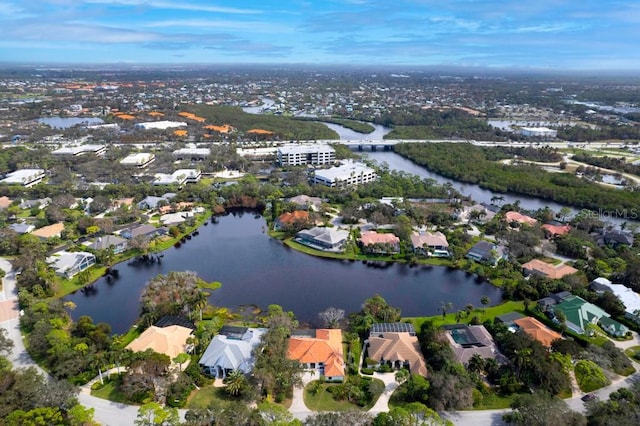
{"x": 589, "y": 397}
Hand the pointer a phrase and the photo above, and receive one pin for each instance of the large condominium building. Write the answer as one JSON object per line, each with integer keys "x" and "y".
{"x": 297, "y": 155}
{"x": 140, "y": 160}
{"x": 79, "y": 150}
{"x": 348, "y": 174}
{"x": 179, "y": 177}
{"x": 24, "y": 177}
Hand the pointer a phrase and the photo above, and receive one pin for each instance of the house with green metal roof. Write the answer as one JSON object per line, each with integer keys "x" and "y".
{"x": 613, "y": 327}
{"x": 579, "y": 313}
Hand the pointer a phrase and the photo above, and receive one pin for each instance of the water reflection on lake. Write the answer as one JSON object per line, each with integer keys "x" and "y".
{"x": 256, "y": 269}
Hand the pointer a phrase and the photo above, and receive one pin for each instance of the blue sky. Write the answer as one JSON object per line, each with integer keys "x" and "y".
{"x": 555, "y": 34}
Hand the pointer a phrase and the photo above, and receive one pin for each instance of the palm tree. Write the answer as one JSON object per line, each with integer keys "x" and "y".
{"x": 402, "y": 375}
{"x": 235, "y": 383}
{"x": 476, "y": 363}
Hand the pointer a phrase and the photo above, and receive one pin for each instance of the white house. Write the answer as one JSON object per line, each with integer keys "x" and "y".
{"x": 231, "y": 350}
{"x": 68, "y": 264}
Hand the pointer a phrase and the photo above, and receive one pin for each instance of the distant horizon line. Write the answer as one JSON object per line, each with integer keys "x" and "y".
{"x": 361, "y": 66}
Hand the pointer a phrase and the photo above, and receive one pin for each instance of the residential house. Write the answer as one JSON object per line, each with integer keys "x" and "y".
{"x": 469, "y": 340}
{"x": 553, "y": 230}
{"x": 304, "y": 202}
{"x": 482, "y": 213}
{"x": 145, "y": 230}
{"x": 172, "y": 219}
{"x": 151, "y": 202}
{"x": 629, "y": 298}
{"x": 616, "y": 238}
{"x": 22, "y": 227}
{"x": 319, "y": 350}
{"x": 537, "y": 330}
{"x": 102, "y": 243}
{"x": 509, "y": 318}
{"x": 5, "y": 202}
{"x": 298, "y": 218}
{"x": 431, "y": 244}
{"x": 374, "y": 242}
{"x": 579, "y": 313}
{"x": 327, "y": 239}
{"x": 41, "y": 203}
{"x": 49, "y": 231}
{"x": 547, "y": 303}
{"x": 613, "y": 327}
{"x": 122, "y": 203}
{"x": 400, "y": 349}
{"x": 170, "y": 340}
{"x": 486, "y": 252}
{"x": 231, "y": 350}
{"x": 68, "y": 264}
{"x": 517, "y": 217}
{"x": 554, "y": 272}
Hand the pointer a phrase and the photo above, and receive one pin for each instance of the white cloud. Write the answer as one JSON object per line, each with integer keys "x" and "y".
{"x": 175, "y": 5}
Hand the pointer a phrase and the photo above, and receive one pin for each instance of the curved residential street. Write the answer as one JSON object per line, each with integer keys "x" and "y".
{"x": 109, "y": 413}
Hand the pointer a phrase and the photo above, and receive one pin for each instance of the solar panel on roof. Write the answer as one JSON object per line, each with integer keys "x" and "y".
{"x": 393, "y": 327}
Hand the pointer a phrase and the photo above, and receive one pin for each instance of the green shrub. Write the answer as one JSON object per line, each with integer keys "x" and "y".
{"x": 97, "y": 385}
{"x": 367, "y": 371}
{"x": 590, "y": 376}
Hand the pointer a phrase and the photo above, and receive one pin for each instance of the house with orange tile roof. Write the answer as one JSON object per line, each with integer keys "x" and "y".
{"x": 291, "y": 219}
{"x": 537, "y": 330}
{"x": 319, "y": 350}
{"x": 374, "y": 242}
{"x": 554, "y": 272}
{"x": 556, "y": 230}
{"x": 400, "y": 349}
{"x": 225, "y": 128}
{"x": 516, "y": 217}
{"x": 49, "y": 231}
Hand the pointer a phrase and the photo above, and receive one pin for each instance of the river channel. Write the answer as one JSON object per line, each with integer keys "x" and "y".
{"x": 256, "y": 269}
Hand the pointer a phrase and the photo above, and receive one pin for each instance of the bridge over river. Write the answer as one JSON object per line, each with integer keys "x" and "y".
{"x": 388, "y": 144}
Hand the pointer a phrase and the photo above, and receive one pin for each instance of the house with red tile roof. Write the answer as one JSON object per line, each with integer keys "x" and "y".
{"x": 374, "y": 242}
{"x": 555, "y": 272}
{"x": 520, "y": 218}
{"x": 319, "y": 350}
{"x": 556, "y": 230}
{"x": 537, "y": 330}
{"x": 291, "y": 219}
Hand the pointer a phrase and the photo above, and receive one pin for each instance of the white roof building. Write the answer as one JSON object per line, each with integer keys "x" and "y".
{"x": 80, "y": 150}
{"x": 139, "y": 160}
{"x": 299, "y": 154}
{"x": 541, "y": 132}
{"x": 231, "y": 350}
{"x": 192, "y": 153}
{"x": 179, "y": 177}
{"x": 160, "y": 125}
{"x": 629, "y": 298}
{"x": 24, "y": 177}
{"x": 348, "y": 174}
{"x": 69, "y": 264}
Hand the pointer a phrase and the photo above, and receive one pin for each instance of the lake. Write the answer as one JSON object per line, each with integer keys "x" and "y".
{"x": 67, "y": 122}
{"x": 256, "y": 269}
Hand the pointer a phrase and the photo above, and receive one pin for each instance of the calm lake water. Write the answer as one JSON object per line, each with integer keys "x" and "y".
{"x": 67, "y": 122}
{"x": 256, "y": 269}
